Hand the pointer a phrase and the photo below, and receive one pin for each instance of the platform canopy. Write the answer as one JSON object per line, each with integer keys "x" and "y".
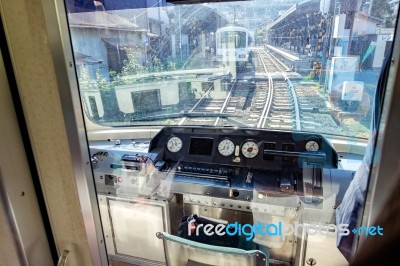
{"x": 296, "y": 16}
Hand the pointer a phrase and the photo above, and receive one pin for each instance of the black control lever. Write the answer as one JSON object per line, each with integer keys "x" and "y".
{"x": 287, "y": 179}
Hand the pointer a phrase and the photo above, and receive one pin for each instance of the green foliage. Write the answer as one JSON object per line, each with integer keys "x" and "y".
{"x": 131, "y": 65}
{"x": 355, "y": 128}
{"x": 381, "y": 9}
{"x": 130, "y": 73}
{"x": 113, "y": 74}
{"x": 157, "y": 65}
{"x": 102, "y": 83}
{"x": 179, "y": 63}
{"x": 171, "y": 66}
{"x": 84, "y": 80}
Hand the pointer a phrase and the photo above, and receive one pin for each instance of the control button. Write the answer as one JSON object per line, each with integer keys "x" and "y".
{"x": 249, "y": 177}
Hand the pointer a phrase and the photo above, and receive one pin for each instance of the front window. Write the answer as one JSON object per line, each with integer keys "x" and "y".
{"x": 323, "y": 60}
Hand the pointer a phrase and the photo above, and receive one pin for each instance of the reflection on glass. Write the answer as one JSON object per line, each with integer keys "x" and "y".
{"x": 148, "y": 59}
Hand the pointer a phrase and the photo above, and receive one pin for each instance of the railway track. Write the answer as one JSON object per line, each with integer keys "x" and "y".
{"x": 244, "y": 104}
{"x": 282, "y": 110}
{"x": 270, "y": 103}
{"x": 204, "y": 105}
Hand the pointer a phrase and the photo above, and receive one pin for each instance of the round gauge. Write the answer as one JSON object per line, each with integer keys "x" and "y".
{"x": 312, "y": 145}
{"x": 250, "y": 149}
{"x": 174, "y": 144}
{"x": 226, "y": 147}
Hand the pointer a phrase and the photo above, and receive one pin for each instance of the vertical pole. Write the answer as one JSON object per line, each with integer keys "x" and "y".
{"x": 180, "y": 33}
{"x": 371, "y": 2}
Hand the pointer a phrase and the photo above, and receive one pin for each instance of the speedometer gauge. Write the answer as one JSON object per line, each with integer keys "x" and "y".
{"x": 174, "y": 144}
{"x": 250, "y": 149}
{"x": 312, "y": 145}
{"x": 226, "y": 147}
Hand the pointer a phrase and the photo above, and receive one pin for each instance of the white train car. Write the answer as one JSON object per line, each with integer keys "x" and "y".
{"x": 233, "y": 45}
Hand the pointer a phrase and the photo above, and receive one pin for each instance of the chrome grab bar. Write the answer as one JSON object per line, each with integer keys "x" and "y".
{"x": 5, "y": 204}
{"x": 62, "y": 260}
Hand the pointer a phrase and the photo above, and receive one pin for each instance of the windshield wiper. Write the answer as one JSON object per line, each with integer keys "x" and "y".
{"x": 180, "y": 115}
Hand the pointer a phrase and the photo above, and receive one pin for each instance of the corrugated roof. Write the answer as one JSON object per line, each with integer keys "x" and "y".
{"x": 120, "y": 43}
{"x": 87, "y": 58}
{"x": 100, "y": 19}
{"x": 300, "y": 7}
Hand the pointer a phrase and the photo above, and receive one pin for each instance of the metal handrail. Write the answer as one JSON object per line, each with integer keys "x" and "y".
{"x": 62, "y": 260}
{"x": 5, "y": 203}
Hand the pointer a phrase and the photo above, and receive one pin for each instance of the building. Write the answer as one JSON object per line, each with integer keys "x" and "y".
{"x": 100, "y": 40}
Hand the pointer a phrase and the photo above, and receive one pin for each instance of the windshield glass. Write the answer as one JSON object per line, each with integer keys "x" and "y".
{"x": 287, "y": 65}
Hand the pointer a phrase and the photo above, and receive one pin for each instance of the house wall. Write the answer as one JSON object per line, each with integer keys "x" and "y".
{"x": 364, "y": 25}
{"x": 89, "y": 41}
{"x": 169, "y": 94}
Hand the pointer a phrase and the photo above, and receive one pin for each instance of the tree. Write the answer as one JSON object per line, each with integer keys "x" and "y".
{"x": 102, "y": 83}
{"x": 131, "y": 65}
{"x": 85, "y": 83}
{"x": 382, "y": 9}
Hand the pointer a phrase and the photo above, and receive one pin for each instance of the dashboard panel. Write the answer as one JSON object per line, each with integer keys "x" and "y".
{"x": 259, "y": 149}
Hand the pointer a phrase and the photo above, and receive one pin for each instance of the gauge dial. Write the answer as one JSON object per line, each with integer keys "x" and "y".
{"x": 250, "y": 149}
{"x": 312, "y": 145}
{"x": 226, "y": 147}
{"x": 174, "y": 144}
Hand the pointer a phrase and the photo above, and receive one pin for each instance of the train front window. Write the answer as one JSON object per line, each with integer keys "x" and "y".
{"x": 300, "y": 66}
{"x": 241, "y": 104}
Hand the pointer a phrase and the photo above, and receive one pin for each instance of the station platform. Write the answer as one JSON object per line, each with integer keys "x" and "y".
{"x": 296, "y": 62}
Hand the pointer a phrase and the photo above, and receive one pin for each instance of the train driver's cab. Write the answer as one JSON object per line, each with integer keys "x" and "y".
{"x": 201, "y": 156}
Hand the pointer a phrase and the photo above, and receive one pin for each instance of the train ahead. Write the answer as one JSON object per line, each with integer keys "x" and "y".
{"x": 233, "y": 45}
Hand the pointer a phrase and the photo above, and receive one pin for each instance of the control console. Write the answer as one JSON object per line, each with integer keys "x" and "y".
{"x": 222, "y": 162}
